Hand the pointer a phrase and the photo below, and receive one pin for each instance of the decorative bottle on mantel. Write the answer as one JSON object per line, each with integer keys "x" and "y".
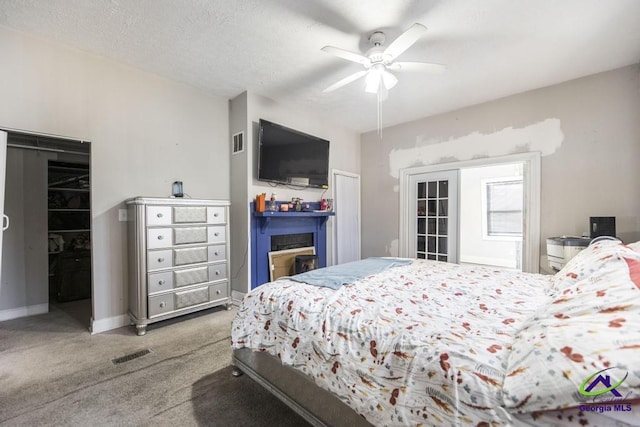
{"x": 273, "y": 206}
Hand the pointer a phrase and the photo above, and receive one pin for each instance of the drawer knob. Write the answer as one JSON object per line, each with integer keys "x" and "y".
{"x": 160, "y": 282}
{"x": 162, "y": 304}
{"x": 160, "y": 259}
{"x": 216, "y": 234}
{"x": 216, "y": 253}
{"x": 160, "y": 237}
{"x": 218, "y": 291}
{"x": 217, "y": 272}
{"x": 159, "y": 215}
{"x": 215, "y": 214}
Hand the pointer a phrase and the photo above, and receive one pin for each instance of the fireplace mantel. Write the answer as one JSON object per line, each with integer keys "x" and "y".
{"x": 265, "y": 217}
{"x": 267, "y": 224}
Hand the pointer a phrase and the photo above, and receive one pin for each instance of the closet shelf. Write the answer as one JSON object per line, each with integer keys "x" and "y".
{"x": 80, "y": 190}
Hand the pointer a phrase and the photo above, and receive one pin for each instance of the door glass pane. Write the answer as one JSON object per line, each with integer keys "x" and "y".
{"x": 431, "y": 244}
{"x": 421, "y": 244}
{"x": 432, "y": 192}
{"x": 432, "y": 226}
{"x": 443, "y": 228}
{"x": 432, "y": 207}
{"x": 422, "y": 190}
{"x": 422, "y": 207}
{"x": 442, "y": 245}
{"x": 421, "y": 256}
{"x": 443, "y": 206}
{"x": 431, "y": 256}
{"x": 422, "y": 226}
{"x": 443, "y": 187}
{"x": 442, "y": 258}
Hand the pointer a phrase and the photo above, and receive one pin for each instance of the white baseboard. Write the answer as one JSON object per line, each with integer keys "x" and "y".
{"x": 103, "y": 325}
{"x": 493, "y": 262}
{"x": 31, "y": 310}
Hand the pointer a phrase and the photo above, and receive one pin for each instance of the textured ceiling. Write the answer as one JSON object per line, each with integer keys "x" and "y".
{"x": 493, "y": 48}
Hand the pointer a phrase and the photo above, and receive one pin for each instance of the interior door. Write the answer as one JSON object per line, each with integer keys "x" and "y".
{"x": 433, "y": 206}
{"x": 346, "y": 233}
{"x": 3, "y": 168}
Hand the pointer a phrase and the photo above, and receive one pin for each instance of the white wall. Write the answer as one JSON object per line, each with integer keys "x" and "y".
{"x": 146, "y": 132}
{"x": 587, "y": 131}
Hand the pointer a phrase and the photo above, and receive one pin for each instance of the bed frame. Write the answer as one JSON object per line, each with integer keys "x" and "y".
{"x": 316, "y": 405}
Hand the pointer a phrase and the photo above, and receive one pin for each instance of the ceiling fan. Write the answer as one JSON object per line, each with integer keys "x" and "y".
{"x": 379, "y": 60}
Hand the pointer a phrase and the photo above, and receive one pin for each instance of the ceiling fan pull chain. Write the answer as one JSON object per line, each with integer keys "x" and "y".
{"x": 379, "y": 96}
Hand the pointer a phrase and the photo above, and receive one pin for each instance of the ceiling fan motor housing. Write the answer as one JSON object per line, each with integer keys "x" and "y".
{"x": 376, "y": 53}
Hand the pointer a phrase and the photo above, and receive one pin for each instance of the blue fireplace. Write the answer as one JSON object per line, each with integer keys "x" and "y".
{"x": 285, "y": 230}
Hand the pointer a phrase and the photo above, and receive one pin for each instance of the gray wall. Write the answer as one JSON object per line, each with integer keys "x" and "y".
{"x": 240, "y": 178}
{"x": 146, "y": 132}
{"x": 588, "y": 131}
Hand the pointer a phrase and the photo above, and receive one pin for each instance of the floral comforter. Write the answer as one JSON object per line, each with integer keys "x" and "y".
{"x": 422, "y": 344}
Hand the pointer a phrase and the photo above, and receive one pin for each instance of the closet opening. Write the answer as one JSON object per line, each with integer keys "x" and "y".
{"x": 46, "y": 256}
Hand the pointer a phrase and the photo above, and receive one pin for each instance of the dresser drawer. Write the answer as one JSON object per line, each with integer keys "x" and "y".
{"x": 191, "y": 276}
{"x": 217, "y": 234}
{"x": 158, "y": 215}
{"x": 190, "y": 256}
{"x": 189, "y": 214}
{"x": 161, "y": 304}
{"x": 218, "y": 291}
{"x": 186, "y": 235}
{"x": 217, "y": 252}
{"x": 159, "y": 259}
{"x": 160, "y": 281}
{"x": 216, "y": 215}
{"x": 159, "y": 238}
{"x": 217, "y": 272}
{"x": 192, "y": 297}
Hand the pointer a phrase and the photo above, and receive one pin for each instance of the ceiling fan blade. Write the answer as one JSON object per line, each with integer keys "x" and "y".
{"x": 349, "y": 56}
{"x": 345, "y": 81}
{"x": 418, "y": 66}
{"x": 405, "y": 40}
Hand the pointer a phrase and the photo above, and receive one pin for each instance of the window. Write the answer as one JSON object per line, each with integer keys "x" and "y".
{"x": 502, "y": 202}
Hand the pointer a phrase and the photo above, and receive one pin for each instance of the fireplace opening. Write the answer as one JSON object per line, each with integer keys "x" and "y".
{"x": 291, "y": 241}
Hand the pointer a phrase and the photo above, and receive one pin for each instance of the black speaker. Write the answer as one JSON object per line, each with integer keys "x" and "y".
{"x": 305, "y": 263}
{"x": 602, "y": 226}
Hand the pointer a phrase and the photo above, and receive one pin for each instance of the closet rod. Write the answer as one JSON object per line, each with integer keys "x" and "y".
{"x": 54, "y": 150}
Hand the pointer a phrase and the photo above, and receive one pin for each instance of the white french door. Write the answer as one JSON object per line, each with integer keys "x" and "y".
{"x": 3, "y": 169}
{"x": 433, "y": 208}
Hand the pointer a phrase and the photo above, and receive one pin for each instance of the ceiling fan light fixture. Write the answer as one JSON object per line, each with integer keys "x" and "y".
{"x": 388, "y": 79}
{"x": 373, "y": 80}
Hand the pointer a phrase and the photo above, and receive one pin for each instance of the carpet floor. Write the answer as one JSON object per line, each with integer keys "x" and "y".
{"x": 54, "y": 372}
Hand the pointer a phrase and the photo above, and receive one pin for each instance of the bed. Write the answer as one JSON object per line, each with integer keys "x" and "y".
{"x": 414, "y": 342}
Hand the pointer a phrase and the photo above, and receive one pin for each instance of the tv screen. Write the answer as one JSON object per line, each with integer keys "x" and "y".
{"x": 288, "y": 156}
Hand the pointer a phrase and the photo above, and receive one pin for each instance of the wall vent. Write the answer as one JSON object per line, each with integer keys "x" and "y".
{"x": 237, "y": 143}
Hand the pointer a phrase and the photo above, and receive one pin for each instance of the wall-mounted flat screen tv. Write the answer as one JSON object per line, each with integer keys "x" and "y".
{"x": 288, "y": 156}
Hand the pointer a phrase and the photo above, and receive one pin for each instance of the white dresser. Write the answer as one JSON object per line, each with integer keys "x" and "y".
{"x": 178, "y": 257}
